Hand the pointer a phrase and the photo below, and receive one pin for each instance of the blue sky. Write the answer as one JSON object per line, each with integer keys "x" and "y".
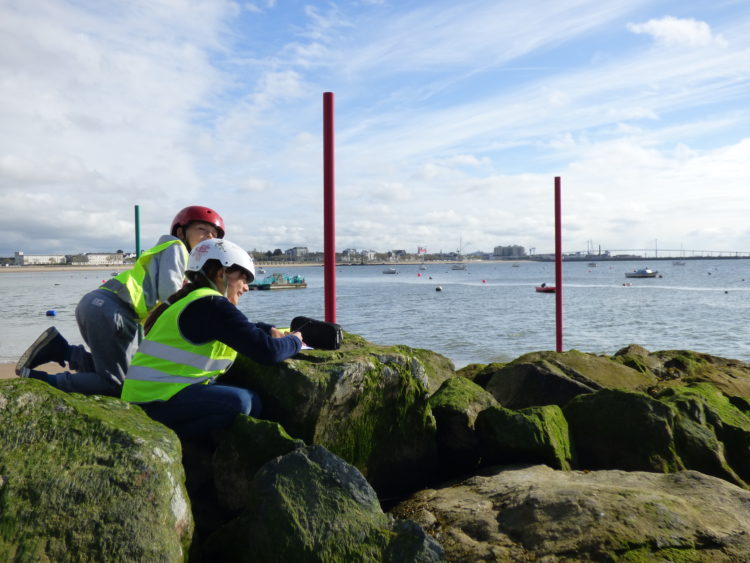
{"x": 452, "y": 120}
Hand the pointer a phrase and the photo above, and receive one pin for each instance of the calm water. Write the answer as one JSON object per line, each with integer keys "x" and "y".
{"x": 490, "y": 312}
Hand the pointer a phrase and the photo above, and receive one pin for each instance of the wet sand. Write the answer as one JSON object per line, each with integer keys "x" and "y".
{"x": 8, "y": 371}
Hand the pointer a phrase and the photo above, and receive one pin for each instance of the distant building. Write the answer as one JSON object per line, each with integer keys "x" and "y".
{"x": 350, "y": 255}
{"x": 512, "y": 251}
{"x": 21, "y": 259}
{"x": 297, "y": 252}
{"x": 105, "y": 259}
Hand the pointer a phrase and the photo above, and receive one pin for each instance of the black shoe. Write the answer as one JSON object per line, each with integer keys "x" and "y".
{"x": 51, "y": 346}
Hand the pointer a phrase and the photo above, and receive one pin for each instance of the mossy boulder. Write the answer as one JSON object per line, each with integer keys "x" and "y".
{"x": 617, "y": 429}
{"x": 243, "y": 449}
{"x": 673, "y": 368}
{"x": 367, "y": 404}
{"x": 551, "y": 378}
{"x": 531, "y": 435}
{"x": 455, "y": 407}
{"x": 311, "y": 506}
{"x": 712, "y": 435}
{"x": 87, "y": 479}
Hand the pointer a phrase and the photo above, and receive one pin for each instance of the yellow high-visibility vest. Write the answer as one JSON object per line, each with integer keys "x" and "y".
{"x": 131, "y": 281}
{"x": 166, "y": 363}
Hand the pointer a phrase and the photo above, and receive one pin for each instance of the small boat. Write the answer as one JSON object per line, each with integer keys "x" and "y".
{"x": 423, "y": 267}
{"x": 260, "y": 271}
{"x": 515, "y": 265}
{"x": 390, "y": 271}
{"x": 678, "y": 263}
{"x": 278, "y": 281}
{"x": 642, "y": 273}
{"x": 592, "y": 264}
{"x": 545, "y": 288}
{"x": 459, "y": 266}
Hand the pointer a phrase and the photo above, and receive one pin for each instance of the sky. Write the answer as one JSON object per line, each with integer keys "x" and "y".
{"x": 452, "y": 120}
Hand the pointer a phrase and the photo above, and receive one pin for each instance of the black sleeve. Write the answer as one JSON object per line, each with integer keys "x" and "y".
{"x": 215, "y": 318}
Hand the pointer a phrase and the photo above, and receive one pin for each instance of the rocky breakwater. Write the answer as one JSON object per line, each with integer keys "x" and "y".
{"x": 373, "y": 453}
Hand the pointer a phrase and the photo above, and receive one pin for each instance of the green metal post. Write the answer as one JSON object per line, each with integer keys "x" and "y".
{"x": 137, "y": 231}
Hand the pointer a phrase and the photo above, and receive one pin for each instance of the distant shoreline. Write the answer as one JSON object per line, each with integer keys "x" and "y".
{"x": 567, "y": 259}
{"x": 122, "y": 267}
{"x": 64, "y": 268}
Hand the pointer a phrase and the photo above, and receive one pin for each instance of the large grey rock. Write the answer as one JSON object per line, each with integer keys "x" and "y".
{"x": 87, "y": 479}
{"x": 537, "y": 513}
{"x": 367, "y": 404}
{"x": 310, "y": 505}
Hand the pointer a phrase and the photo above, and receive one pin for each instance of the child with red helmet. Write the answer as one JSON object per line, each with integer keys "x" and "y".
{"x": 109, "y": 317}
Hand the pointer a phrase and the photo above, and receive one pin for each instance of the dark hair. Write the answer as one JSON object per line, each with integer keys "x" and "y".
{"x": 196, "y": 280}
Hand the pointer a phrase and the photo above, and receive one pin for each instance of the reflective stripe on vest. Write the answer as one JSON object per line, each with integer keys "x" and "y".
{"x": 130, "y": 282}
{"x": 166, "y": 363}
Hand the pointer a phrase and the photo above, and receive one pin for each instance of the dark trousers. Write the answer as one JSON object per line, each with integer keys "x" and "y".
{"x": 198, "y": 410}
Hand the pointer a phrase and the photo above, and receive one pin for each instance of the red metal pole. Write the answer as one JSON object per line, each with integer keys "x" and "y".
{"x": 558, "y": 268}
{"x": 329, "y": 211}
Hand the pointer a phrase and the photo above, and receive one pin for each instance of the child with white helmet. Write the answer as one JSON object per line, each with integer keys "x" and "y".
{"x": 195, "y": 337}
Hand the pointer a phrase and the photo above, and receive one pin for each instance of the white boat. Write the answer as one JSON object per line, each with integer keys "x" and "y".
{"x": 678, "y": 263}
{"x": 642, "y": 273}
{"x": 260, "y": 271}
{"x": 423, "y": 267}
{"x": 390, "y": 271}
{"x": 592, "y": 264}
{"x": 459, "y": 266}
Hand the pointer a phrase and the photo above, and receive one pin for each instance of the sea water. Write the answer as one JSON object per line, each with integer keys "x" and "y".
{"x": 488, "y": 312}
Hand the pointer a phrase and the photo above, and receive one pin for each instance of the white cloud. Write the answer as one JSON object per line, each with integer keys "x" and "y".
{"x": 451, "y": 122}
{"x": 675, "y": 32}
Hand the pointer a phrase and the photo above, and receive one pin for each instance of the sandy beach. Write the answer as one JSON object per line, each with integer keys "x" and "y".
{"x": 8, "y": 371}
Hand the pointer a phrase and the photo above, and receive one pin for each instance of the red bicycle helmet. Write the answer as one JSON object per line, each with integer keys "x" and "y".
{"x": 198, "y": 213}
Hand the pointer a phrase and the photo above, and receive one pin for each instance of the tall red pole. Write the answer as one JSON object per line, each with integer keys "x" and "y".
{"x": 558, "y": 267}
{"x": 329, "y": 211}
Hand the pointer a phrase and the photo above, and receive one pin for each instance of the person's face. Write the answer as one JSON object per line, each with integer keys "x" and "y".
{"x": 236, "y": 285}
{"x": 199, "y": 231}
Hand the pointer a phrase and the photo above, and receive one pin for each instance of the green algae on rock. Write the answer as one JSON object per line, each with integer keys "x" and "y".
{"x": 455, "y": 407}
{"x": 367, "y": 404}
{"x": 311, "y": 506}
{"x": 87, "y": 478}
{"x": 617, "y": 429}
{"x": 531, "y": 435}
{"x": 243, "y": 449}
{"x": 547, "y": 378}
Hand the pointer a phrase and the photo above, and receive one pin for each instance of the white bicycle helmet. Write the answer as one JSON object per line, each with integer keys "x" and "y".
{"x": 227, "y": 253}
